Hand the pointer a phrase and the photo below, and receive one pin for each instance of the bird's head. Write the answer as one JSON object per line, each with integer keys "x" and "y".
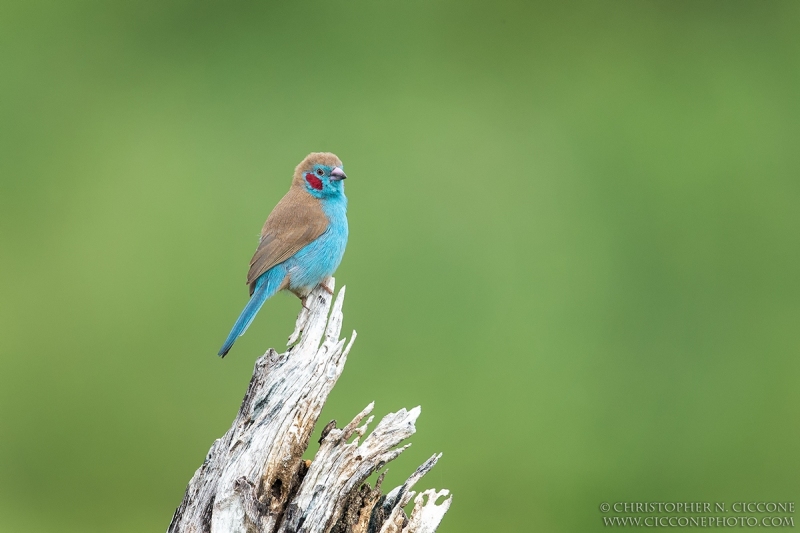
{"x": 321, "y": 174}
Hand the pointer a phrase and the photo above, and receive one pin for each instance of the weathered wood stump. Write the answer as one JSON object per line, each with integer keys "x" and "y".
{"x": 254, "y": 479}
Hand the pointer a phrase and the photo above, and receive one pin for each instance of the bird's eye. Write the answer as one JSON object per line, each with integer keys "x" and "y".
{"x": 320, "y": 172}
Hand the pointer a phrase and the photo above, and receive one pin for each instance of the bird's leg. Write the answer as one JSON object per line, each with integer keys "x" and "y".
{"x": 303, "y": 302}
{"x": 324, "y": 285}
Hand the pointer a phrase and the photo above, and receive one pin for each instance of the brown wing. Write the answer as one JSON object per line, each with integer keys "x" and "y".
{"x": 297, "y": 220}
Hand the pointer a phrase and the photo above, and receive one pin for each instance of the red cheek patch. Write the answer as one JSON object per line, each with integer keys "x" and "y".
{"x": 314, "y": 181}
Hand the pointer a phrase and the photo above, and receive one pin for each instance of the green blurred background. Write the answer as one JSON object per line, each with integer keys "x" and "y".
{"x": 574, "y": 241}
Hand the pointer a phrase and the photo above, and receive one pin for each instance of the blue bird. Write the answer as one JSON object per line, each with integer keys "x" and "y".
{"x": 303, "y": 239}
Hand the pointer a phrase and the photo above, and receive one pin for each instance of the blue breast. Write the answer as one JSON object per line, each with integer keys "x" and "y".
{"x": 319, "y": 259}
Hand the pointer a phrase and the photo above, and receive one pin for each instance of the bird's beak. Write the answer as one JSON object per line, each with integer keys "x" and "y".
{"x": 337, "y": 174}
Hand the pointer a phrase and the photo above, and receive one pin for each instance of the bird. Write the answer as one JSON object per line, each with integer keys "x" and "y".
{"x": 303, "y": 240}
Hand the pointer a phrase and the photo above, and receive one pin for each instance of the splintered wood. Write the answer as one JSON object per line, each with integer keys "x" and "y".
{"x": 254, "y": 479}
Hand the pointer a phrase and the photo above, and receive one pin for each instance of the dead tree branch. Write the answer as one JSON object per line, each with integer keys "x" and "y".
{"x": 254, "y": 479}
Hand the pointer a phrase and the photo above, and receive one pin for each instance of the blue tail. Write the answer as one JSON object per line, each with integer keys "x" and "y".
{"x": 266, "y": 285}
